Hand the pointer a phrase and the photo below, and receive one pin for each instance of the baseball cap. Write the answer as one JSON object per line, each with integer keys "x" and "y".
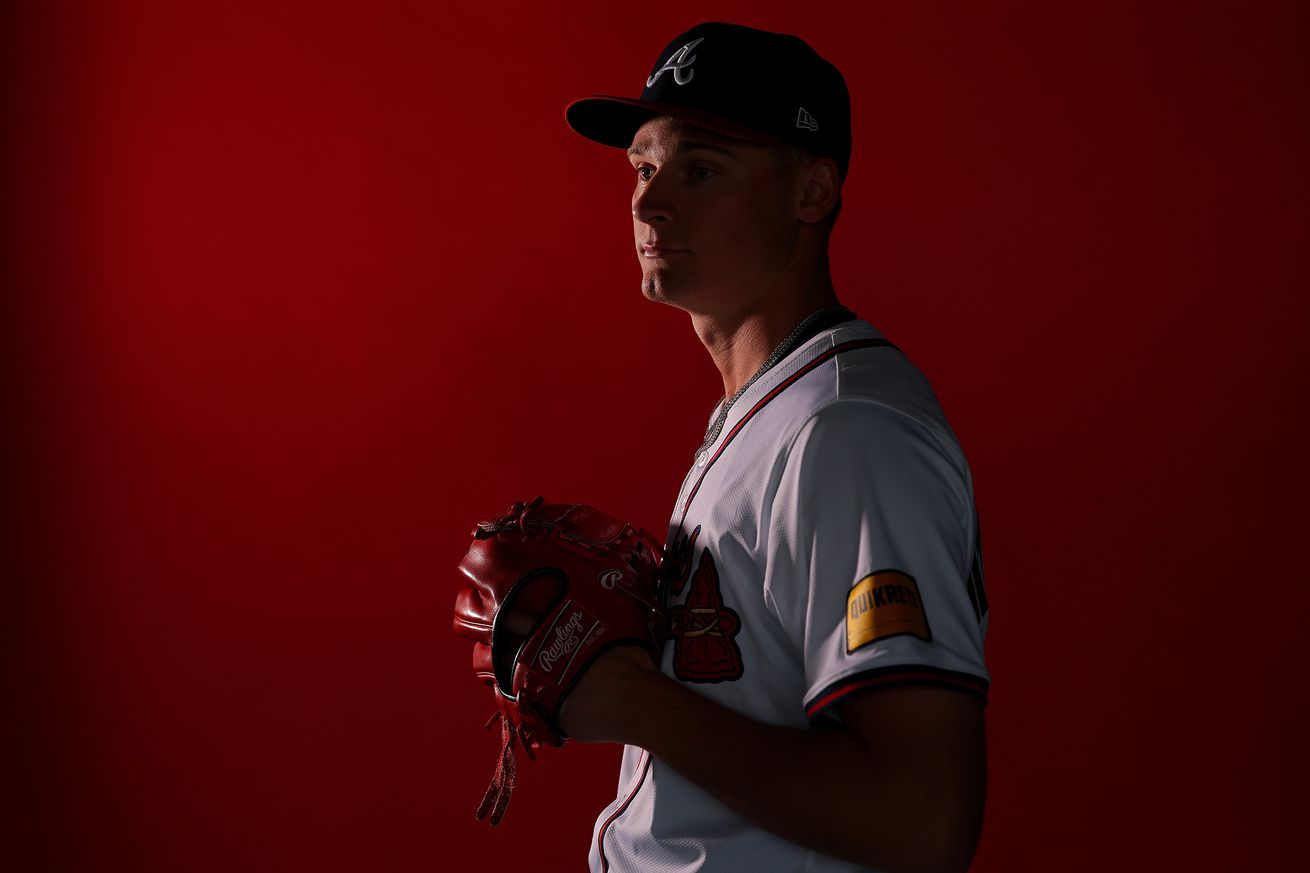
{"x": 744, "y": 83}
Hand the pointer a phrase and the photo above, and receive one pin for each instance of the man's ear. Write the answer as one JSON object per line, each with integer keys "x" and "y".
{"x": 820, "y": 190}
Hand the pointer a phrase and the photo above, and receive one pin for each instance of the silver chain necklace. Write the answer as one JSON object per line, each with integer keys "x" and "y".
{"x": 799, "y": 334}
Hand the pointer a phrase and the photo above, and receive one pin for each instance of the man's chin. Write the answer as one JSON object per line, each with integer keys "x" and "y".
{"x": 652, "y": 289}
{"x": 658, "y": 288}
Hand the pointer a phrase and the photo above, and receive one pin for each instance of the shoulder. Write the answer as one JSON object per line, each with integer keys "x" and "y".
{"x": 853, "y": 374}
{"x": 870, "y": 394}
{"x": 848, "y": 429}
{"x": 850, "y": 403}
{"x": 849, "y": 450}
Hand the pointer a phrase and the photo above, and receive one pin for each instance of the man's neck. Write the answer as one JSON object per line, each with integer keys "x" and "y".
{"x": 740, "y": 344}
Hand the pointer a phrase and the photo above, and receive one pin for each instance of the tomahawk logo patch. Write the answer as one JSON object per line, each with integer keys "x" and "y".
{"x": 703, "y": 628}
{"x": 885, "y": 604}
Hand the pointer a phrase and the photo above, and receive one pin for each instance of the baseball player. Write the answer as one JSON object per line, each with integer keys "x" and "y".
{"x": 820, "y": 704}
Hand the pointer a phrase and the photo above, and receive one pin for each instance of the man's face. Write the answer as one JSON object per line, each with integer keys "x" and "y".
{"x": 713, "y": 218}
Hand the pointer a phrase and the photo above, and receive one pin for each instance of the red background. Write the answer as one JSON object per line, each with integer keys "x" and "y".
{"x": 295, "y": 293}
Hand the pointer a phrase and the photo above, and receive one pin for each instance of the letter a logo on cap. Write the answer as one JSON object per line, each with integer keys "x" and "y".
{"x": 679, "y": 63}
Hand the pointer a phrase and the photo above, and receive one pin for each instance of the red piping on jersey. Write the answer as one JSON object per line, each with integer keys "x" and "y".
{"x": 763, "y": 401}
{"x": 910, "y": 676}
{"x": 778, "y": 389}
{"x": 600, "y": 837}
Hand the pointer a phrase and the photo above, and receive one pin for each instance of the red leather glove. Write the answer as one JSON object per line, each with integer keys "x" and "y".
{"x": 550, "y": 588}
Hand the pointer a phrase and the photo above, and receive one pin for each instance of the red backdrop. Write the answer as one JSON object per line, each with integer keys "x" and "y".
{"x": 296, "y": 292}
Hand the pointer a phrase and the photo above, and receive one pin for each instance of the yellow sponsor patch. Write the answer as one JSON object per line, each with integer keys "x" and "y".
{"x": 884, "y": 604}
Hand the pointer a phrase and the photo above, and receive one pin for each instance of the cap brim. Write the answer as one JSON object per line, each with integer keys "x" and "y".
{"x": 613, "y": 121}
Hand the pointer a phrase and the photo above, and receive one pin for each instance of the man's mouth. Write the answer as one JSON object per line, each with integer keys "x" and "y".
{"x": 658, "y": 251}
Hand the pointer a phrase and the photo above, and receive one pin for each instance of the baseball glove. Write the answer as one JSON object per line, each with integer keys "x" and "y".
{"x": 551, "y": 587}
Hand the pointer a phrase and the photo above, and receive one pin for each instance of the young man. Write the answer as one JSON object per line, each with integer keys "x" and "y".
{"x": 820, "y": 707}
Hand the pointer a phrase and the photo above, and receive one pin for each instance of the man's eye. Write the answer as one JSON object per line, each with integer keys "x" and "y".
{"x": 644, "y": 173}
{"x": 702, "y": 173}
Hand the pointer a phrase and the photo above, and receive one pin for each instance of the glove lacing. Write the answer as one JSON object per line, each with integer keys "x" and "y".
{"x": 502, "y": 781}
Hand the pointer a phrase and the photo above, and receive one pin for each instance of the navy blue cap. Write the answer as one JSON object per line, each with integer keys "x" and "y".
{"x": 741, "y": 82}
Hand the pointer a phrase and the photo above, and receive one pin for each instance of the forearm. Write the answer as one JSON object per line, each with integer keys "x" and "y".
{"x": 821, "y": 789}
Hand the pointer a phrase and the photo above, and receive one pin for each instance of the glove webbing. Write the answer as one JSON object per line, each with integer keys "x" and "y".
{"x": 502, "y": 781}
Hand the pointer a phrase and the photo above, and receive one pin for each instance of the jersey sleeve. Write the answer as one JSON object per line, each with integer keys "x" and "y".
{"x": 874, "y": 569}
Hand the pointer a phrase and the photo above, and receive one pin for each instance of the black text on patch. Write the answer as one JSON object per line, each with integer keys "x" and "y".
{"x": 884, "y": 604}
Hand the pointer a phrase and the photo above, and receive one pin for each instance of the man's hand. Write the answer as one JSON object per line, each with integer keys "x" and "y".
{"x": 594, "y": 711}
{"x": 600, "y": 707}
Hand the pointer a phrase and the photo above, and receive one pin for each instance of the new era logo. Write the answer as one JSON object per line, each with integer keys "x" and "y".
{"x": 805, "y": 121}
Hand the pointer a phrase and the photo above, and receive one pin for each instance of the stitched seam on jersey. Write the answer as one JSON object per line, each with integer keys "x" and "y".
{"x": 966, "y": 520}
{"x": 892, "y": 670}
{"x": 892, "y": 673}
{"x": 791, "y": 443}
{"x": 801, "y": 356}
{"x": 865, "y": 670}
{"x": 623, "y": 807}
{"x": 772, "y": 394}
{"x": 899, "y": 680}
{"x": 909, "y": 680}
{"x": 770, "y": 604}
{"x": 836, "y": 377}
{"x": 779, "y": 354}
{"x": 950, "y": 452}
{"x": 794, "y": 360}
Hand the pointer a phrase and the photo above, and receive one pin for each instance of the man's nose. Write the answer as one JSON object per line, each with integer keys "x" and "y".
{"x": 652, "y": 203}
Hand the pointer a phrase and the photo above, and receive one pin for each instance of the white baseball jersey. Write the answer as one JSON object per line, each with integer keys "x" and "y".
{"x": 825, "y": 543}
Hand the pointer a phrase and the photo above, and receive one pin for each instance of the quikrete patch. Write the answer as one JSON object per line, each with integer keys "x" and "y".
{"x": 884, "y": 604}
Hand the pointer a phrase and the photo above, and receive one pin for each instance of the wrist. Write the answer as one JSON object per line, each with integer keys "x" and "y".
{"x": 648, "y": 702}
{"x": 611, "y": 701}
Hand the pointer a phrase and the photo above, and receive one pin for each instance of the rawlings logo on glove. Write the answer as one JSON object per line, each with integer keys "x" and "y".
{"x": 551, "y": 588}
{"x": 566, "y": 640}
